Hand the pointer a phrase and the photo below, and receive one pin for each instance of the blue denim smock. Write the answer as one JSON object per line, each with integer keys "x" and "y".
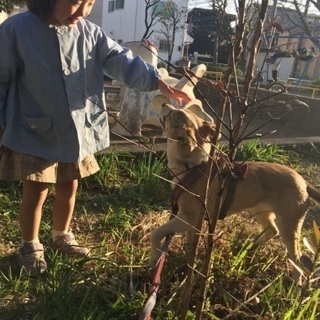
{"x": 52, "y": 102}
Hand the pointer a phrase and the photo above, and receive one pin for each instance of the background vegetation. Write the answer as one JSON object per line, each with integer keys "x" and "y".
{"x": 115, "y": 212}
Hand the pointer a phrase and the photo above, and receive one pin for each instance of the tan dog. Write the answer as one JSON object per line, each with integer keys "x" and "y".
{"x": 269, "y": 191}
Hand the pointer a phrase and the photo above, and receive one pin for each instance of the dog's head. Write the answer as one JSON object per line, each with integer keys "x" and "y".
{"x": 190, "y": 128}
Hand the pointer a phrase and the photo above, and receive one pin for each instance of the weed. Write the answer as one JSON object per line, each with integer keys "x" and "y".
{"x": 116, "y": 210}
{"x": 254, "y": 150}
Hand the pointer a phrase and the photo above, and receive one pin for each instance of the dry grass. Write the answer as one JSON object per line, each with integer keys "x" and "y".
{"x": 115, "y": 221}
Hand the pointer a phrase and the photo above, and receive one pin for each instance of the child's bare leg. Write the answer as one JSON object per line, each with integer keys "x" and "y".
{"x": 63, "y": 239}
{"x": 34, "y": 195}
{"x": 64, "y": 204}
{"x": 31, "y": 253}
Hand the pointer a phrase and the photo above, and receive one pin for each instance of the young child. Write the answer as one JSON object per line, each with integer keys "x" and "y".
{"x": 52, "y": 111}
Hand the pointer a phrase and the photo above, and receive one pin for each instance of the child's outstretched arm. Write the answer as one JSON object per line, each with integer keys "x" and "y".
{"x": 173, "y": 93}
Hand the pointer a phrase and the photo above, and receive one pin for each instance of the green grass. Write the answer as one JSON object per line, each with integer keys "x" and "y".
{"x": 254, "y": 150}
{"x": 116, "y": 210}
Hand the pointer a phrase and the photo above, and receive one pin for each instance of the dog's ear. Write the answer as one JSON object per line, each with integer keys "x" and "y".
{"x": 195, "y": 106}
{"x": 166, "y": 109}
{"x": 158, "y": 102}
{"x": 208, "y": 130}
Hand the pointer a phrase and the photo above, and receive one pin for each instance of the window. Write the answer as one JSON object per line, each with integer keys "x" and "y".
{"x": 119, "y": 4}
{"x": 164, "y": 46}
{"x": 111, "y": 6}
{"x": 115, "y": 5}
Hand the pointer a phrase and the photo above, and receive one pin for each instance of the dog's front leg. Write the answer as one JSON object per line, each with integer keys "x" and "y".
{"x": 190, "y": 236}
{"x": 176, "y": 224}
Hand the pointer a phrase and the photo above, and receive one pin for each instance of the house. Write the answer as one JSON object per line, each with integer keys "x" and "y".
{"x": 124, "y": 21}
{"x": 305, "y": 50}
{"x": 303, "y": 65}
{"x": 203, "y": 25}
{"x": 3, "y": 16}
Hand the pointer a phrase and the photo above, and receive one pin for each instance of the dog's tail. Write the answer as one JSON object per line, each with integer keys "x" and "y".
{"x": 313, "y": 193}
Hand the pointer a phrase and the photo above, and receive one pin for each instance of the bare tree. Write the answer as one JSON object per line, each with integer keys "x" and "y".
{"x": 300, "y": 18}
{"x": 150, "y": 17}
{"x": 172, "y": 19}
{"x": 223, "y": 29}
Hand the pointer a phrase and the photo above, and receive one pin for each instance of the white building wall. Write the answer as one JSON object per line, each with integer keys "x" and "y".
{"x": 127, "y": 25}
{"x": 3, "y": 16}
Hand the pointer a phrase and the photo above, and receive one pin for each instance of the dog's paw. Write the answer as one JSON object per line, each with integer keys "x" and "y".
{"x": 153, "y": 261}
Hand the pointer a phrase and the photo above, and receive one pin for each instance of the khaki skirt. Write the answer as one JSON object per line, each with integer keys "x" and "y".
{"x": 17, "y": 166}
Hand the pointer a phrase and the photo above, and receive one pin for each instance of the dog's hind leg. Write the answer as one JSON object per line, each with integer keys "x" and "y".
{"x": 190, "y": 238}
{"x": 290, "y": 231}
{"x": 175, "y": 225}
{"x": 270, "y": 229}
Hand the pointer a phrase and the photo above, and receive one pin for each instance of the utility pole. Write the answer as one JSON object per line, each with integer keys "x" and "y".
{"x": 274, "y": 10}
{"x": 306, "y": 8}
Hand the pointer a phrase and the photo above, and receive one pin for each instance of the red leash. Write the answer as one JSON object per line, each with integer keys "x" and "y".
{"x": 146, "y": 312}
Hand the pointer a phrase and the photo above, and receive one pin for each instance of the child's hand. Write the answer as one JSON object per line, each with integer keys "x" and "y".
{"x": 173, "y": 93}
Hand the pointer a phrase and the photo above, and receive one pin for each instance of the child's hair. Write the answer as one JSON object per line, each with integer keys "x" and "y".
{"x": 41, "y": 7}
